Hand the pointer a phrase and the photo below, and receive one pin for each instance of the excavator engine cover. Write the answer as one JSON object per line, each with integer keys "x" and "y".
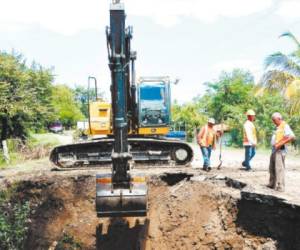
{"x": 121, "y": 202}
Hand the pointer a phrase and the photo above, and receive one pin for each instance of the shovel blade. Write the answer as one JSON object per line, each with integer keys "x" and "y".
{"x": 121, "y": 202}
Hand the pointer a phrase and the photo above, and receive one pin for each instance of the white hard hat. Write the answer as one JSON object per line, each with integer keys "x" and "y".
{"x": 250, "y": 112}
{"x": 211, "y": 120}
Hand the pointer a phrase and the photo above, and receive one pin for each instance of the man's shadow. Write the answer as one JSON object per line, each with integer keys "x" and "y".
{"x": 120, "y": 236}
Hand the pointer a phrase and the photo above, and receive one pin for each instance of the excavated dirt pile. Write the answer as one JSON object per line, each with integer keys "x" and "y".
{"x": 185, "y": 212}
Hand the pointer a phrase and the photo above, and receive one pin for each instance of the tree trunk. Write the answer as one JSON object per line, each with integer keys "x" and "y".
{"x": 4, "y": 133}
{"x": 5, "y": 152}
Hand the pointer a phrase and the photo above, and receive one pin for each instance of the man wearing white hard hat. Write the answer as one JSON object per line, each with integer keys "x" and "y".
{"x": 249, "y": 139}
{"x": 207, "y": 142}
{"x": 281, "y": 137}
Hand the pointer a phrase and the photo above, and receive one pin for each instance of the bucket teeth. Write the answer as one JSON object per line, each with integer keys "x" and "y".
{"x": 121, "y": 202}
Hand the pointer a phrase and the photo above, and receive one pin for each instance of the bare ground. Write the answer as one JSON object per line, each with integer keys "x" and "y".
{"x": 183, "y": 214}
{"x": 258, "y": 179}
{"x": 189, "y": 208}
{"x": 232, "y": 158}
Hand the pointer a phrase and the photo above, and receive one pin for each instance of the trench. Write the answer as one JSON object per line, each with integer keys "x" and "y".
{"x": 184, "y": 213}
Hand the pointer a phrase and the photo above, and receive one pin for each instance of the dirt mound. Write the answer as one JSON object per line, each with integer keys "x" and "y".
{"x": 184, "y": 214}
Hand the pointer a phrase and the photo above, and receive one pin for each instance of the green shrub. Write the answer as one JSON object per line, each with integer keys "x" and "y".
{"x": 68, "y": 242}
{"x": 13, "y": 221}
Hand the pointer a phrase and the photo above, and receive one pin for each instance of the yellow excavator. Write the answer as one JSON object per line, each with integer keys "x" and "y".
{"x": 133, "y": 129}
{"x": 148, "y": 120}
{"x": 100, "y": 112}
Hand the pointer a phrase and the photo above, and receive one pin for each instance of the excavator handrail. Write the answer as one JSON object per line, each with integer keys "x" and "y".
{"x": 154, "y": 78}
{"x": 88, "y": 96}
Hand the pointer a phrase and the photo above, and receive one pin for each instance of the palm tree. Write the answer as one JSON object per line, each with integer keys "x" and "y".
{"x": 283, "y": 74}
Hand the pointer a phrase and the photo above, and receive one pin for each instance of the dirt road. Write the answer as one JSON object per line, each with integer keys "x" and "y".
{"x": 232, "y": 158}
{"x": 258, "y": 179}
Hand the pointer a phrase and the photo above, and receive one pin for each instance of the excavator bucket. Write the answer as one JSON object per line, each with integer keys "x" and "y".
{"x": 121, "y": 202}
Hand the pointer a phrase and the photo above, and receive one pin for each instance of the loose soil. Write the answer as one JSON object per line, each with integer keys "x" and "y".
{"x": 188, "y": 208}
{"x": 185, "y": 212}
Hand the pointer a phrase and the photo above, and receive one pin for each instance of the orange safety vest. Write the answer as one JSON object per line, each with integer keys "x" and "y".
{"x": 207, "y": 136}
{"x": 279, "y": 133}
{"x": 245, "y": 138}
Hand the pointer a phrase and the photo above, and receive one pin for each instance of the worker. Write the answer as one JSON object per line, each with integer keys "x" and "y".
{"x": 207, "y": 142}
{"x": 249, "y": 139}
{"x": 281, "y": 136}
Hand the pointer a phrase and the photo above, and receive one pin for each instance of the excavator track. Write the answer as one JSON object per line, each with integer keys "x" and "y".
{"x": 97, "y": 153}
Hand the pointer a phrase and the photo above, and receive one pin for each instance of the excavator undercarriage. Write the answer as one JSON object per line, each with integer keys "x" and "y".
{"x": 97, "y": 153}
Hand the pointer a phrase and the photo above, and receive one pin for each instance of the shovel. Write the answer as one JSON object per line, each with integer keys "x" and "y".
{"x": 220, "y": 153}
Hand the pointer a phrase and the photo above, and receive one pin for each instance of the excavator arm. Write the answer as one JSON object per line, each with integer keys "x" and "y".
{"x": 118, "y": 63}
{"x": 120, "y": 193}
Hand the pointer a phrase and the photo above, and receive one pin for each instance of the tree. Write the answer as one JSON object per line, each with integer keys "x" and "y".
{"x": 282, "y": 74}
{"x": 65, "y": 105}
{"x": 266, "y": 105}
{"x": 287, "y": 64}
{"x": 23, "y": 96}
{"x": 189, "y": 114}
{"x": 228, "y": 98}
{"x": 41, "y": 81}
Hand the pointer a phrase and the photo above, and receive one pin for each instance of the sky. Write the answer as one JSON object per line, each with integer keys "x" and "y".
{"x": 193, "y": 40}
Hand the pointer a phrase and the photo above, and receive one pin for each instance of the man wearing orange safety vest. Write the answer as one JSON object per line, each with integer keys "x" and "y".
{"x": 207, "y": 141}
{"x": 282, "y": 135}
{"x": 249, "y": 139}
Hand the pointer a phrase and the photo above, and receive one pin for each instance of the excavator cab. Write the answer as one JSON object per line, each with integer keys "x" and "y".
{"x": 154, "y": 102}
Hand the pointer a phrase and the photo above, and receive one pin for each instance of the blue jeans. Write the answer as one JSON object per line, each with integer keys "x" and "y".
{"x": 206, "y": 153}
{"x": 249, "y": 154}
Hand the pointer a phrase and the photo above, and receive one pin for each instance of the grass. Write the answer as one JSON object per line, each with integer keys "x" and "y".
{"x": 68, "y": 242}
{"x": 47, "y": 139}
{"x": 14, "y": 218}
{"x": 37, "y": 146}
